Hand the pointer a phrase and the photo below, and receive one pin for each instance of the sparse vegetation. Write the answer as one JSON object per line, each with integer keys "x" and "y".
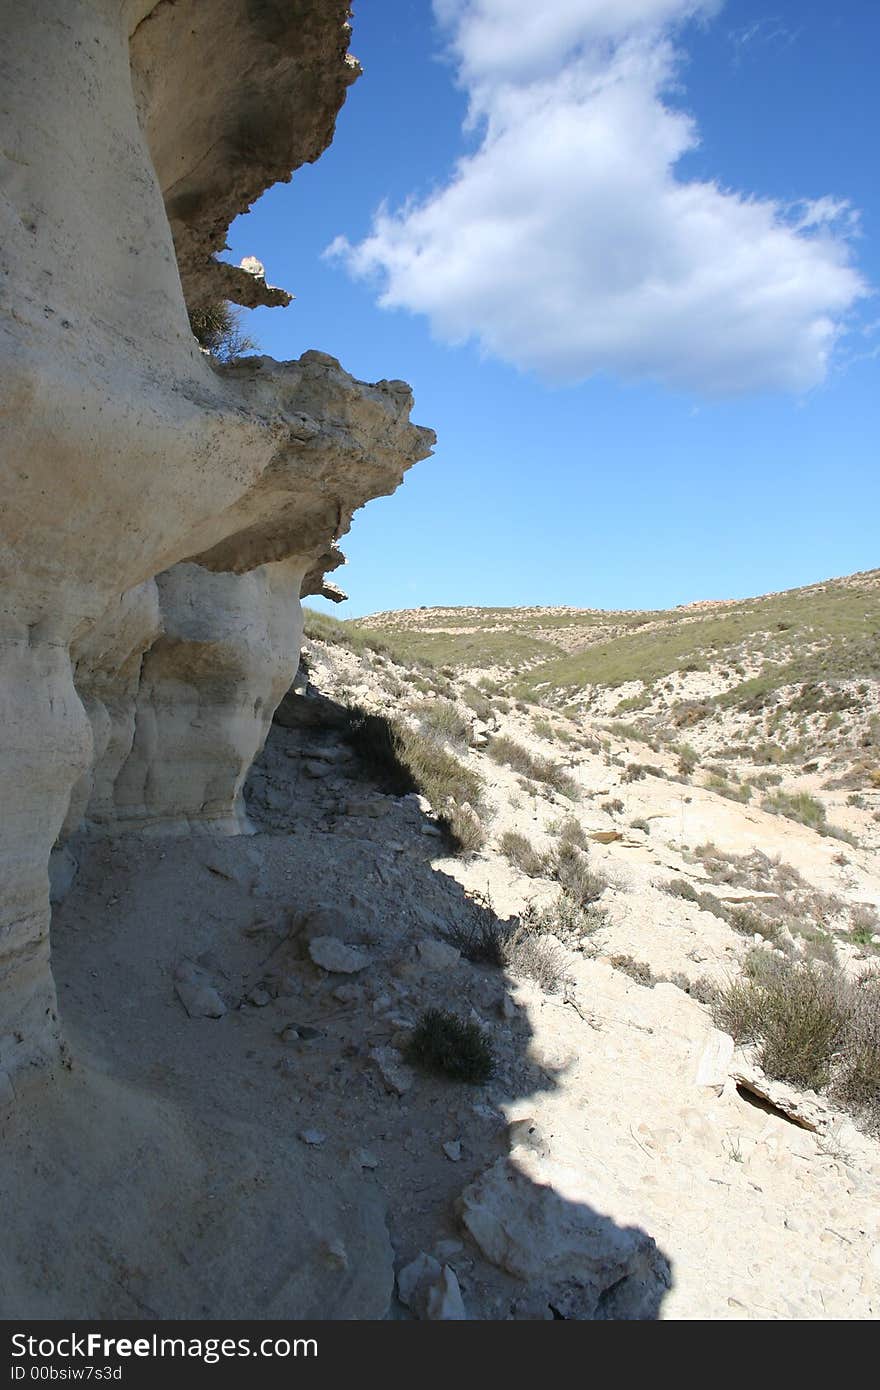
{"x": 403, "y": 760}
{"x": 217, "y": 327}
{"x": 445, "y": 1045}
{"x": 637, "y": 970}
{"x": 528, "y": 952}
{"x": 503, "y": 749}
{"x": 444, "y": 718}
{"x": 812, "y": 1027}
{"x": 572, "y": 871}
{"x": 521, "y": 853}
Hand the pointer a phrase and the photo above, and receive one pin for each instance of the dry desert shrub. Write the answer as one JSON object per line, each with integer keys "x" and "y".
{"x": 445, "y": 1045}
{"x": 521, "y": 853}
{"x": 513, "y": 755}
{"x": 812, "y": 1027}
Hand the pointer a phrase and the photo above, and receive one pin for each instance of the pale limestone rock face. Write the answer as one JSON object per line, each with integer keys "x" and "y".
{"x": 208, "y": 687}
{"x": 536, "y": 1220}
{"x": 123, "y": 450}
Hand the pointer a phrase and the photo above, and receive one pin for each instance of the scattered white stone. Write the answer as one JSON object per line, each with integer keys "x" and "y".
{"x": 414, "y": 1279}
{"x": 196, "y": 993}
{"x": 446, "y": 1249}
{"x": 713, "y": 1067}
{"x": 437, "y": 955}
{"x": 527, "y": 1133}
{"x": 444, "y": 1302}
{"x": 348, "y": 994}
{"x": 333, "y": 955}
{"x": 312, "y": 768}
{"x": 313, "y": 1137}
{"x": 535, "y": 1220}
{"x": 364, "y": 1158}
{"x": 431, "y": 1290}
{"x": 332, "y": 753}
{"x": 452, "y": 1150}
{"x": 259, "y": 998}
{"x": 398, "y": 1077}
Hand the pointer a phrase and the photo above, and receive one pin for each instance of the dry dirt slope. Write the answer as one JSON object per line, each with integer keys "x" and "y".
{"x": 580, "y": 898}
{"x": 689, "y": 885}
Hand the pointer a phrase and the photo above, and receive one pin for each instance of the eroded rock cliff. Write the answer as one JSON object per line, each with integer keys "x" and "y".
{"x": 159, "y": 514}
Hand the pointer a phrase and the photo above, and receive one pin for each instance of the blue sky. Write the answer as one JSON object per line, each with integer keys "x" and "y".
{"x": 628, "y": 260}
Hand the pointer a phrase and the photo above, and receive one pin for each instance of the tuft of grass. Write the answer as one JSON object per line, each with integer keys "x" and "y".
{"x": 445, "y": 1045}
{"x": 320, "y": 627}
{"x": 701, "y": 989}
{"x": 566, "y": 918}
{"x": 528, "y": 952}
{"x": 403, "y": 760}
{"x": 521, "y": 853}
{"x": 480, "y": 936}
{"x": 637, "y": 970}
{"x": 513, "y": 755}
{"x": 794, "y": 1013}
{"x": 477, "y": 701}
{"x": 571, "y": 870}
{"x": 681, "y": 888}
{"x": 443, "y": 718}
{"x": 688, "y": 759}
{"x": 724, "y": 787}
{"x": 217, "y": 327}
{"x": 798, "y": 806}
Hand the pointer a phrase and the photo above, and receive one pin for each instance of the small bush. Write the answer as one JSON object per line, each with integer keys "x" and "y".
{"x": 680, "y": 888}
{"x": 640, "y": 824}
{"x": 747, "y": 922}
{"x": 448, "y": 1046}
{"x": 480, "y": 936}
{"x": 521, "y": 853}
{"x": 701, "y": 989}
{"x": 571, "y": 832}
{"x": 465, "y": 829}
{"x": 724, "y": 787}
{"x": 571, "y": 921}
{"x": 795, "y": 1015}
{"x": 636, "y": 970}
{"x": 217, "y": 327}
{"x": 798, "y": 806}
{"x": 507, "y": 751}
{"x": 529, "y": 953}
{"x": 863, "y": 923}
{"x": 636, "y": 771}
{"x": 688, "y": 759}
{"x": 443, "y": 718}
{"x": 571, "y": 870}
{"x": 402, "y": 760}
{"x": 477, "y": 701}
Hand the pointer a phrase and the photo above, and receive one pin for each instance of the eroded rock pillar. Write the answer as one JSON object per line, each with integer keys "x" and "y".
{"x": 47, "y": 744}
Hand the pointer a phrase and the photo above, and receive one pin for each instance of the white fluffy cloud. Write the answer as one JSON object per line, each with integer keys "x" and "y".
{"x": 567, "y": 243}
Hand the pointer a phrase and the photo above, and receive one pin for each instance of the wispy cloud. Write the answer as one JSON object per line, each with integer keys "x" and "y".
{"x": 567, "y": 244}
{"x": 761, "y": 33}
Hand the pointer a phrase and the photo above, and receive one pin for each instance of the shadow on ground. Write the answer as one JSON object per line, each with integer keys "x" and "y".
{"x": 281, "y": 1159}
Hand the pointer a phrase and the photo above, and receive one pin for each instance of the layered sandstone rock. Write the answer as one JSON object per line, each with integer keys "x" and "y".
{"x": 137, "y": 132}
